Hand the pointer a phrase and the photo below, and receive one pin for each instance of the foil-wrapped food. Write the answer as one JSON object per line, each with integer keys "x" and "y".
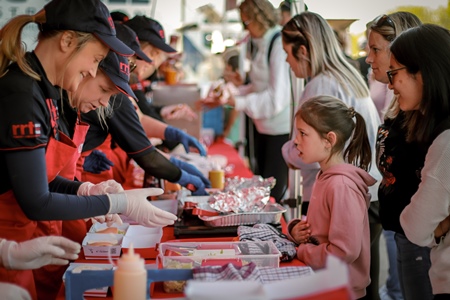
{"x": 243, "y": 195}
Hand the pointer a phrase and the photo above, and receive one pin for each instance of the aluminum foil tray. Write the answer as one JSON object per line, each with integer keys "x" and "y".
{"x": 271, "y": 214}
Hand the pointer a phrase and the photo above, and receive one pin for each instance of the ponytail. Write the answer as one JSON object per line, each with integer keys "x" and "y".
{"x": 358, "y": 151}
{"x": 326, "y": 114}
{"x": 11, "y": 47}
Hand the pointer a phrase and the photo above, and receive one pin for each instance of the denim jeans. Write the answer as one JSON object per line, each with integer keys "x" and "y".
{"x": 392, "y": 283}
{"x": 413, "y": 263}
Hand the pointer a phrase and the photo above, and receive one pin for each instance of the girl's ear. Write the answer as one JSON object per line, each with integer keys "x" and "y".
{"x": 331, "y": 138}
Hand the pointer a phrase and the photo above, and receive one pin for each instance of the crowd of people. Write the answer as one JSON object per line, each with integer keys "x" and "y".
{"x": 75, "y": 121}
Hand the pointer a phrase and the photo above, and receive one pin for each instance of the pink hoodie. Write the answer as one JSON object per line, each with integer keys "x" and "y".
{"x": 339, "y": 221}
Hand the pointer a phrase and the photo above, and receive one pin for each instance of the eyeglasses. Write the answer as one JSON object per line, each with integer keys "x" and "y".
{"x": 385, "y": 20}
{"x": 391, "y": 73}
{"x": 246, "y": 23}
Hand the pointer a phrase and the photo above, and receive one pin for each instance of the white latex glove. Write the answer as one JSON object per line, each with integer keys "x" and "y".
{"x": 109, "y": 219}
{"x": 102, "y": 188}
{"x": 38, "y": 252}
{"x": 178, "y": 112}
{"x": 134, "y": 204}
{"x": 11, "y": 291}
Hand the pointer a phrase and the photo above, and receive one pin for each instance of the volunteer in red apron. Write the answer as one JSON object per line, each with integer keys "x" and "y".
{"x": 74, "y": 38}
{"x": 113, "y": 77}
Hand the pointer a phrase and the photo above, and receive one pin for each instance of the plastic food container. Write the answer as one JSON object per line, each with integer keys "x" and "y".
{"x": 271, "y": 214}
{"x": 144, "y": 240}
{"x": 187, "y": 255}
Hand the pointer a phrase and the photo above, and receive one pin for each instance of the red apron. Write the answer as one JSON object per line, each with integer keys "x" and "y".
{"x": 76, "y": 229}
{"x": 84, "y": 176}
{"x": 61, "y": 159}
{"x": 14, "y": 225}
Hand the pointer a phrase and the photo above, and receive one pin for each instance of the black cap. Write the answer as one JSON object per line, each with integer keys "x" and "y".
{"x": 129, "y": 37}
{"x": 116, "y": 67}
{"x": 89, "y": 16}
{"x": 150, "y": 31}
{"x": 119, "y": 16}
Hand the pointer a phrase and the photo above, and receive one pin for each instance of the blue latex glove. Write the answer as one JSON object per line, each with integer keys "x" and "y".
{"x": 174, "y": 134}
{"x": 97, "y": 162}
{"x": 192, "y": 183}
{"x": 191, "y": 169}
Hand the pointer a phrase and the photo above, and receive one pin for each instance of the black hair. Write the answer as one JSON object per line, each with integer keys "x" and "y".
{"x": 426, "y": 49}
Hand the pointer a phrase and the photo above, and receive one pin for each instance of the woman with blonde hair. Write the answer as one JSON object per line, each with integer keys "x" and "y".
{"x": 36, "y": 156}
{"x": 314, "y": 54}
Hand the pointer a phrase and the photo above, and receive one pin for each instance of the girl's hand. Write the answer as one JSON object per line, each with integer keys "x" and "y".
{"x": 442, "y": 228}
{"x": 301, "y": 232}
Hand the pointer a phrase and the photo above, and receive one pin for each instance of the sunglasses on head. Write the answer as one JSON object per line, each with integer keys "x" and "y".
{"x": 391, "y": 73}
{"x": 385, "y": 20}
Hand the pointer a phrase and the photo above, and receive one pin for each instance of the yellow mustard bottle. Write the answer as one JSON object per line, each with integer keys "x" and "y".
{"x": 130, "y": 277}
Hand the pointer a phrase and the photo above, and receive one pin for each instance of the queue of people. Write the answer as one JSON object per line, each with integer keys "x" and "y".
{"x": 363, "y": 168}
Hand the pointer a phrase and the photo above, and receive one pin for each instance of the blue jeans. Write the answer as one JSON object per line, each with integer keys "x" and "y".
{"x": 392, "y": 283}
{"x": 413, "y": 263}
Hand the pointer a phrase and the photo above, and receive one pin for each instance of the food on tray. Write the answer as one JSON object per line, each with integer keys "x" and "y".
{"x": 176, "y": 286}
{"x": 102, "y": 243}
{"x": 113, "y": 230}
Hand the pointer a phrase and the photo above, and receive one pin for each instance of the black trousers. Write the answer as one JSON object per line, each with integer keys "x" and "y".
{"x": 375, "y": 234}
{"x": 270, "y": 162}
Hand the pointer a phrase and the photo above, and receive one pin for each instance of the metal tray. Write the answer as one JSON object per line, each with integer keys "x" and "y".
{"x": 271, "y": 214}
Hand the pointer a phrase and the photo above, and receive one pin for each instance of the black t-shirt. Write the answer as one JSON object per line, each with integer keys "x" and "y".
{"x": 25, "y": 129}
{"x": 124, "y": 126}
{"x": 400, "y": 164}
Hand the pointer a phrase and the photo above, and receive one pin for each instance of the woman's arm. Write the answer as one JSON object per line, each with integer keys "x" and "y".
{"x": 27, "y": 173}
{"x": 276, "y": 96}
{"x": 430, "y": 204}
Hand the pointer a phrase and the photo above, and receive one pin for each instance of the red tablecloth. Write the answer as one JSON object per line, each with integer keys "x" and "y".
{"x": 235, "y": 161}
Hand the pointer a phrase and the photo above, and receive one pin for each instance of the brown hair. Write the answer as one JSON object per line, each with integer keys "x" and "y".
{"x": 261, "y": 11}
{"x": 326, "y": 114}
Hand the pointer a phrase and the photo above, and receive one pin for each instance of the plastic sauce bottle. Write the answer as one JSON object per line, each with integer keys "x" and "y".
{"x": 130, "y": 277}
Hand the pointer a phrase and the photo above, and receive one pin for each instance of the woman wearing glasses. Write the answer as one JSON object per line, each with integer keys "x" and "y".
{"x": 420, "y": 78}
{"x": 313, "y": 53}
{"x": 399, "y": 162}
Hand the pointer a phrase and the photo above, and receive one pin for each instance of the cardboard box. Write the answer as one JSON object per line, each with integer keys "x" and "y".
{"x": 121, "y": 228}
{"x": 102, "y": 252}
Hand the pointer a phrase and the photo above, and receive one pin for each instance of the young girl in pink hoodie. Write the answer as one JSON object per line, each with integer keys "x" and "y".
{"x": 337, "y": 221}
